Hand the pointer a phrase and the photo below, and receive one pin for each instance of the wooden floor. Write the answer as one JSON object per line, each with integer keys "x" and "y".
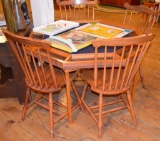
{"x": 116, "y": 127}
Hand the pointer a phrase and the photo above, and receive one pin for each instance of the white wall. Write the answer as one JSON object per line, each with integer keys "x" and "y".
{"x": 42, "y": 12}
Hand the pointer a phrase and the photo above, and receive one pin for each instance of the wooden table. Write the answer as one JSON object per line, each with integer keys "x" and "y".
{"x": 73, "y": 61}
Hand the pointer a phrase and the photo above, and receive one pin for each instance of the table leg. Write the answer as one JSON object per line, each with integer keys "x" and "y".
{"x": 134, "y": 86}
{"x": 68, "y": 97}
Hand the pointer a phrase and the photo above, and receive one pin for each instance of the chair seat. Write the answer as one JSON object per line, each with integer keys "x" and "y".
{"x": 88, "y": 76}
{"x": 60, "y": 78}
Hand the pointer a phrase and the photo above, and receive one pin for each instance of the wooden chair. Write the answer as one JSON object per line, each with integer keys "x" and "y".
{"x": 153, "y": 6}
{"x": 77, "y": 10}
{"x": 142, "y": 19}
{"x": 113, "y": 75}
{"x": 41, "y": 76}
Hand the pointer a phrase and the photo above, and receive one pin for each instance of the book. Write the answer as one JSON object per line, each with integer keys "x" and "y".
{"x": 71, "y": 41}
{"x": 56, "y": 27}
{"x": 104, "y": 31}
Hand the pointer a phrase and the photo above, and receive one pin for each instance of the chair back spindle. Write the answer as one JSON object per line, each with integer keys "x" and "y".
{"x": 77, "y": 10}
{"x": 30, "y": 55}
{"x": 114, "y": 73}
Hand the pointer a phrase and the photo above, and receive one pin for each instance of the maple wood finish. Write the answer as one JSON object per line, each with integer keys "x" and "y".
{"x": 142, "y": 19}
{"x": 115, "y": 75}
{"x": 40, "y": 75}
{"x": 154, "y": 6}
{"x": 77, "y": 10}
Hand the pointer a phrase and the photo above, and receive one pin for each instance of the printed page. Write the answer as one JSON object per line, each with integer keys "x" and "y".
{"x": 101, "y": 30}
{"x": 78, "y": 40}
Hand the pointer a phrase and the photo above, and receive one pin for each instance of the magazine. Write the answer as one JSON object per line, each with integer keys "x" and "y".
{"x": 56, "y": 27}
{"x": 104, "y": 31}
{"x": 71, "y": 41}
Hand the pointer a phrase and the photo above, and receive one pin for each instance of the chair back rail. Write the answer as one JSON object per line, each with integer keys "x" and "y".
{"x": 118, "y": 78}
{"x": 76, "y": 10}
{"x": 39, "y": 75}
{"x": 140, "y": 17}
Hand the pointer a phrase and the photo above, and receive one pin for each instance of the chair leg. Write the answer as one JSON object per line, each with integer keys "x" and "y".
{"x": 51, "y": 113}
{"x": 25, "y": 103}
{"x": 141, "y": 78}
{"x": 133, "y": 87}
{"x": 78, "y": 98}
{"x": 131, "y": 107}
{"x": 100, "y": 116}
{"x": 84, "y": 90}
{"x": 85, "y": 105}
{"x": 68, "y": 97}
{"x": 83, "y": 94}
